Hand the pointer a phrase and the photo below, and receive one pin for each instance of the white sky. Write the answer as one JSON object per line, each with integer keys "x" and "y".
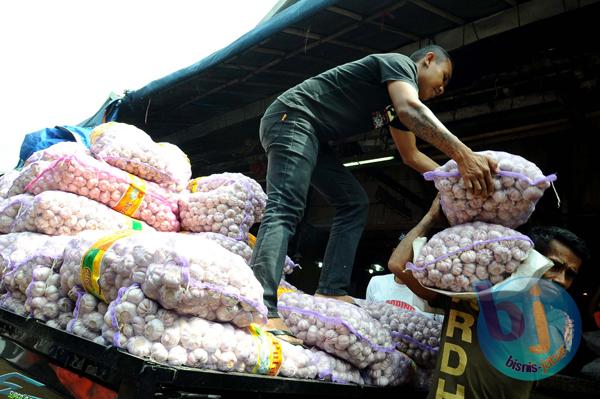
{"x": 60, "y": 59}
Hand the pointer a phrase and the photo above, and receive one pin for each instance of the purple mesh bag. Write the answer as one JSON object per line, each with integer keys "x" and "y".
{"x": 517, "y": 188}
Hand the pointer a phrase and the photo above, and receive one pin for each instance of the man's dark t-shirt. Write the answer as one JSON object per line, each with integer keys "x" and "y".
{"x": 340, "y": 102}
{"x": 462, "y": 370}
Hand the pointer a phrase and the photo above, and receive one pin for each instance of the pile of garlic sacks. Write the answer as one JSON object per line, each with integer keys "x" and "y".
{"x": 181, "y": 299}
{"x": 225, "y": 203}
{"x": 417, "y": 335}
{"x": 518, "y": 186}
{"x": 459, "y": 256}
{"x": 191, "y": 274}
{"x": 133, "y": 150}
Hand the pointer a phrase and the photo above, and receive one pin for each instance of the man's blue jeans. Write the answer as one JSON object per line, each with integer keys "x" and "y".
{"x": 296, "y": 160}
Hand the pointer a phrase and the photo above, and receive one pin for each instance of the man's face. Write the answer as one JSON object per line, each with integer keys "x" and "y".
{"x": 566, "y": 264}
{"x": 433, "y": 76}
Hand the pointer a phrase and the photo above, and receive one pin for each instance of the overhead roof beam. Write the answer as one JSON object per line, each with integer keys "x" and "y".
{"x": 299, "y": 50}
{"x": 510, "y": 18}
{"x": 438, "y": 11}
{"x": 358, "y": 17}
{"x": 340, "y": 43}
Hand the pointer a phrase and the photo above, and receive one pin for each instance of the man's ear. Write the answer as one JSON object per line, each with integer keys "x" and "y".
{"x": 429, "y": 58}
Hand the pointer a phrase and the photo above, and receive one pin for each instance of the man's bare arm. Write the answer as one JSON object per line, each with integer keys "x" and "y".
{"x": 404, "y": 252}
{"x": 406, "y": 144}
{"x": 475, "y": 169}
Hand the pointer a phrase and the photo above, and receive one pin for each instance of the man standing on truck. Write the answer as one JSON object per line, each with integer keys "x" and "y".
{"x": 340, "y": 102}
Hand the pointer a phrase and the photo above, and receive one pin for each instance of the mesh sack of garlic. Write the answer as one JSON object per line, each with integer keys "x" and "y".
{"x": 15, "y": 304}
{"x": 289, "y": 265}
{"x": 57, "y": 151}
{"x": 11, "y": 209}
{"x": 133, "y": 150}
{"x": 6, "y": 182}
{"x": 189, "y": 274}
{"x": 396, "y": 369}
{"x": 26, "y": 176}
{"x": 459, "y": 256}
{"x": 26, "y": 257}
{"x": 45, "y": 301}
{"x": 15, "y": 248}
{"x": 238, "y": 247}
{"x": 330, "y": 368}
{"x": 140, "y": 325}
{"x": 62, "y": 213}
{"x": 337, "y": 327}
{"x": 518, "y": 186}
{"x": 417, "y": 335}
{"x": 112, "y": 187}
{"x": 88, "y": 316}
{"x": 226, "y": 203}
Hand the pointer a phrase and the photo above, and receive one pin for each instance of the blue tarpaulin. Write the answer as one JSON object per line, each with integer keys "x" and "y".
{"x": 52, "y": 135}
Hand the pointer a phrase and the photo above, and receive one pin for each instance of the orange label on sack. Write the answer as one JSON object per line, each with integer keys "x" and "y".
{"x": 91, "y": 262}
{"x": 132, "y": 199}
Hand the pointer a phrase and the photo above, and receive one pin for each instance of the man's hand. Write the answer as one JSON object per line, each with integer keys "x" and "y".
{"x": 476, "y": 171}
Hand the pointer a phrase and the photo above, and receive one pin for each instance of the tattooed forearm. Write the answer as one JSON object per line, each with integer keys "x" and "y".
{"x": 424, "y": 124}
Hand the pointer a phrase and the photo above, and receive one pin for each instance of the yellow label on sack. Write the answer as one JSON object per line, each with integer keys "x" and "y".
{"x": 133, "y": 197}
{"x": 193, "y": 184}
{"x": 251, "y": 240}
{"x": 98, "y": 131}
{"x": 91, "y": 262}
{"x": 270, "y": 355}
{"x": 282, "y": 290}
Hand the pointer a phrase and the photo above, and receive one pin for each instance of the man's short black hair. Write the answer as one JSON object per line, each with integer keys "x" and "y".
{"x": 440, "y": 53}
{"x": 542, "y": 235}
